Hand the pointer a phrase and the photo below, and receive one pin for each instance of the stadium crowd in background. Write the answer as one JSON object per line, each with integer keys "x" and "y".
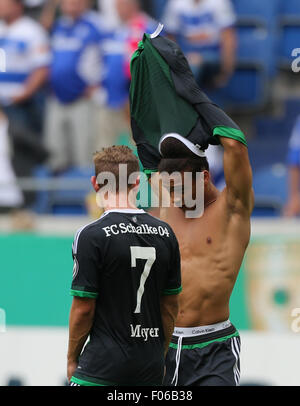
{"x": 66, "y": 85}
{"x": 117, "y": 50}
{"x": 64, "y": 55}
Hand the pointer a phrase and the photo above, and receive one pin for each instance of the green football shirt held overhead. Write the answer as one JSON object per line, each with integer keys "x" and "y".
{"x": 165, "y": 98}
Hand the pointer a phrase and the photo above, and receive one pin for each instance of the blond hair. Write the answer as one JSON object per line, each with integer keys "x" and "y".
{"x": 110, "y": 159}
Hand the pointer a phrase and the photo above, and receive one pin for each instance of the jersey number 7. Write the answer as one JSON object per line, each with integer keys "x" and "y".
{"x": 149, "y": 254}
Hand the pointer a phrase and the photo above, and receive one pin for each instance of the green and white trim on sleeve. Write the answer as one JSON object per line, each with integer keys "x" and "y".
{"x": 81, "y": 291}
{"x": 228, "y": 132}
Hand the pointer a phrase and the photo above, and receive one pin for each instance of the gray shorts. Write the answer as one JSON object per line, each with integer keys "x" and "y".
{"x": 205, "y": 359}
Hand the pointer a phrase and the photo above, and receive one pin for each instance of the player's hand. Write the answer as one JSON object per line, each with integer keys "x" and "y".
{"x": 72, "y": 365}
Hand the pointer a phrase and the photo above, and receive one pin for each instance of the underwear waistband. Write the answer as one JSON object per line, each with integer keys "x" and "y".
{"x": 202, "y": 334}
{"x": 201, "y": 330}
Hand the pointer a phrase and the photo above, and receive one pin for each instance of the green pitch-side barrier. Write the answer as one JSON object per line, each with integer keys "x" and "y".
{"x": 35, "y": 279}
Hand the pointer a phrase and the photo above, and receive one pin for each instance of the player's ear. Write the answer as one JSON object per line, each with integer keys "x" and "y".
{"x": 138, "y": 181}
{"x": 95, "y": 184}
{"x": 206, "y": 177}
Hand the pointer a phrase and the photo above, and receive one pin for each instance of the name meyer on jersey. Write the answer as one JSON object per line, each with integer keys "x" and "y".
{"x": 123, "y": 228}
{"x": 144, "y": 332}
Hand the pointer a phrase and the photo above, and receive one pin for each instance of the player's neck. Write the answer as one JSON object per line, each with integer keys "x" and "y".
{"x": 120, "y": 201}
{"x": 108, "y": 208}
{"x": 211, "y": 194}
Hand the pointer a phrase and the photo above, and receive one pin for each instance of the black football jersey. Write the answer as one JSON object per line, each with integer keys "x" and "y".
{"x": 126, "y": 260}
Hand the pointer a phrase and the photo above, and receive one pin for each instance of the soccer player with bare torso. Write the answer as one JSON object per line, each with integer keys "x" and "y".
{"x": 205, "y": 346}
{"x": 173, "y": 123}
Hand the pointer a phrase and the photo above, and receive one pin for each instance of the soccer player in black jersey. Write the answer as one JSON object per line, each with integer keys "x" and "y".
{"x": 126, "y": 281}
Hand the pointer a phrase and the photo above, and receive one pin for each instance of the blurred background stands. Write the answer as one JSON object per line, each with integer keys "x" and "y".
{"x": 262, "y": 95}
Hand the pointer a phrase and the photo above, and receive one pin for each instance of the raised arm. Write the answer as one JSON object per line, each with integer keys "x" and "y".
{"x": 238, "y": 177}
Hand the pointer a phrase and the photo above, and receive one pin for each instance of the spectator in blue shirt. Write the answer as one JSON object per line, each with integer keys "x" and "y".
{"x": 292, "y": 207}
{"x": 27, "y": 57}
{"x": 114, "y": 117}
{"x": 75, "y": 76}
{"x": 204, "y": 30}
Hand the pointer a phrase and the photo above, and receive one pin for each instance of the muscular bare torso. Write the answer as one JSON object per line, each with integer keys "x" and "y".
{"x": 212, "y": 248}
